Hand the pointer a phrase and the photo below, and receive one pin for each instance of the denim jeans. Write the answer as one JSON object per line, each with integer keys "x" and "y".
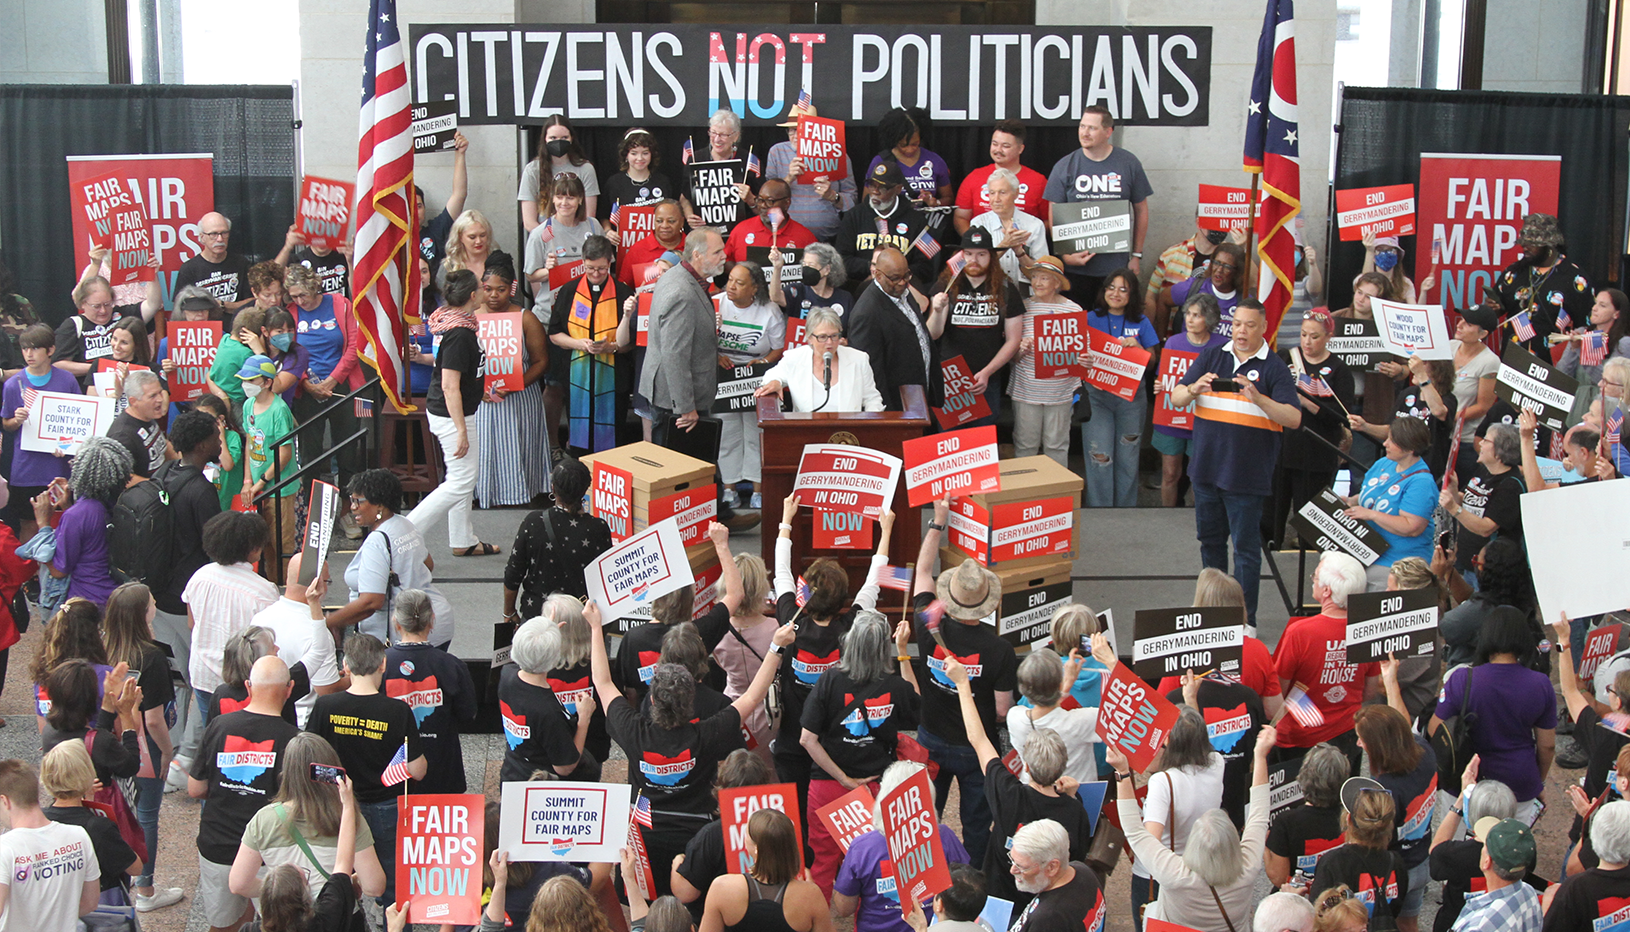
{"x": 1219, "y": 515}
{"x": 381, "y": 819}
{"x": 1115, "y": 433}
{"x": 1144, "y": 891}
{"x": 962, "y": 764}
{"x": 149, "y": 796}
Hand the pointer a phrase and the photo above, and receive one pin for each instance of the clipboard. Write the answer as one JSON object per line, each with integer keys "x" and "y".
{"x": 701, "y": 441}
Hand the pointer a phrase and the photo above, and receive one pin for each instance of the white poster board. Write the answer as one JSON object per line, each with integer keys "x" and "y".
{"x": 550, "y": 821}
{"x": 1413, "y": 329}
{"x": 1586, "y": 575}
{"x": 59, "y": 421}
{"x": 639, "y": 570}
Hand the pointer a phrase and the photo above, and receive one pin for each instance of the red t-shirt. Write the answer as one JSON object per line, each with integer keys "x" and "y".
{"x": 644, "y": 252}
{"x": 971, "y": 195}
{"x": 753, "y": 232}
{"x": 1256, "y": 673}
{"x": 1313, "y": 652}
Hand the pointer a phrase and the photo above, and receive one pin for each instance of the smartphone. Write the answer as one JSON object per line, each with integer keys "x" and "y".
{"x": 326, "y": 773}
{"x": 1446, "y": 540}
{"x": 1224, "y": 385}
{"x": 1086, "y": 645}
{"x": 132, "y": 677}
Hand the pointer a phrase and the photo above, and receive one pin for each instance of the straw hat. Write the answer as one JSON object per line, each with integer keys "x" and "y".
{"x": 970, "y": 591}
{"x": 798, "y": 111}
{"x": 1054, "y": 265}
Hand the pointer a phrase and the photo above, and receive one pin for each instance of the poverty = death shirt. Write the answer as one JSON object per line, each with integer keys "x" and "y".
{"x": 241, "y": 758}
{"x": 366, "y": 732}
{"x": 992, "y": 667}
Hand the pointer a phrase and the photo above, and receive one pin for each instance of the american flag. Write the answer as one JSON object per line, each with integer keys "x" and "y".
{"x": 1563, "y": 321}
{"x": 931, "y": 618}
{"x": 957, "y": 263}
{"x": 804, "y": 100}
{"x": 1301, "y": 708}
{"x": 800, "y": 593}
{"x": 30, "y": 395}
{"x": 548, "y": 230}
{"x": 754, "y": 166}
{"x": 387, "y": 264}
{"x": 1615, "y": 427}
{"x": 688, "y": 152}
{"x": 642, "y": 811}
{"x": 616, "y": 212}
{"x": 397, "y": 770}
{"x": 897, "y": 578}
{"x": 1314, "y": 386}
{"x": 1593, "y": 349}
{"x": 1523, "y": 327}
{"x": 1271, "y": 150}
{"x": 926, "y": 242}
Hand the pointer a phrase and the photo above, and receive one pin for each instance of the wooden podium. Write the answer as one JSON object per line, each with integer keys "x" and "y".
{"x": 786, "y": 433}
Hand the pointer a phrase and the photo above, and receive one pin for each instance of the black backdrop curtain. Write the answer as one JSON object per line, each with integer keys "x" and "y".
{"x": 1385, "y": 130}
{"x": 247, "y": 128}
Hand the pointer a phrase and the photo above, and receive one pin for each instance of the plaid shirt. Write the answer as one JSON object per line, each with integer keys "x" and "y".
{"x": 1512, "y": 908}
{"x": 1176, "y": 264}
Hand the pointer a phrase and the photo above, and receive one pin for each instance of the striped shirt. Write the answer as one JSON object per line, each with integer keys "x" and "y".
{"x": 1022, "y": 385}
{"x": 1236, "y": 445}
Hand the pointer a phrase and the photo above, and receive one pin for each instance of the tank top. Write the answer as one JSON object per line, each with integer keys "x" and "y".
{"x": 764, "y": 913}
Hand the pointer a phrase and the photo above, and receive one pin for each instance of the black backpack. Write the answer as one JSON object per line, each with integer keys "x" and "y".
{"x": 141, "y": 545}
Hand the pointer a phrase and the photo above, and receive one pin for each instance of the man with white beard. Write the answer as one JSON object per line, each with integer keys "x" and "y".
{"x": 1068, "y": 897}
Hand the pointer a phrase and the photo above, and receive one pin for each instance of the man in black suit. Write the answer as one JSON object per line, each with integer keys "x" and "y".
{"x": 887, "y": 325}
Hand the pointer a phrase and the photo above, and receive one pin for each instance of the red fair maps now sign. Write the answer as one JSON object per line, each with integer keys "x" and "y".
{"x": 693, "y": 507}
{"x": 325, "y": 211}
{"x": 112, "y": 211}
{"x": 1384, "y": 211}
{"x": 795, "y": 332}
{"x": 439, "y": 840}
{"x": 820, "y": 146}
{"x": 633, "y": 225}
{"x": 1600, "y": 644}
{"x": 839, "y": 477}
{"x": 1471, "y": 209}
{"x": 1173, "y": 364}
{"x": 192, "y": 347}
{"x": 175, "y": 191}
{"x": 1116, "y": 368}
{"x": 642, "y": 319}
{"x": 913, "y": 837}
{"x": 848, "y": 817}
{"x": 962, "y": 403}
{"x": 841, "y": 530}
{"x": 1133, "y": 717}
{"x": 611, "y": 499}
{"x": 1061, "y": 341}
{"x": 1223, "y": 208}
{"x": 963, "y": 462}
{"x": 736, "y": 807}
{"x": 500, "y": 336}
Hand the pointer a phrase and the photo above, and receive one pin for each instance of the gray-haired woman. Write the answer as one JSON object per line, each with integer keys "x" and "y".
{"x": 1489, "y": 502}
{"x": 435, "y": 684}
{"x": 538, "y": 731}
{"x": 100, "y": 471}
{"x": 1305, "y": 831}
{"x": 572, "y": 678}
{"x": 851, "y": 721}
{"x": 824, "y": 375}
{"x": 815, "y": 285}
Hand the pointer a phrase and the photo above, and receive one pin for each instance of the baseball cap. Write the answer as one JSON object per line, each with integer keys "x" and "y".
{"x": 1386, "y": 241}
{"x": 979, "y": 238}
{"x": 1509, "y": 843}
{"x": 1481, "y": 316}
{"x": 1354, "y": 786}
{"x": 258, "y": 367}
{"x": 885, "y": 174}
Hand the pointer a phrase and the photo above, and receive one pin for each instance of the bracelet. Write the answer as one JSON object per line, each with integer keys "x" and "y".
{"x": 785, "y": 526}
{"x": 935, "y": 527}
{"x": 1457, "y": 813}
{"x": 904, "y": 658}
{"x": 1122, "y": 776}
{"x": 1137, "y": 255}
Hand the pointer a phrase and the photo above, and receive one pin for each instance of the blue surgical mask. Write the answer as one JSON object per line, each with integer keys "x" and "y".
{"x": 282, "y": 341}
{"x": 1386, "y": 261}
{"x": 1298, "y": 253}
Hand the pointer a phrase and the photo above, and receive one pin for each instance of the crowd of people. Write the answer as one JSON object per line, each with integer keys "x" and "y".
{"x": 186, "y": 648}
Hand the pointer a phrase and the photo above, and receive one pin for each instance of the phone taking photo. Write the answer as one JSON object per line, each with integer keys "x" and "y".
{"x": 1225, "y": 385}
{"x": 327, "y": 773}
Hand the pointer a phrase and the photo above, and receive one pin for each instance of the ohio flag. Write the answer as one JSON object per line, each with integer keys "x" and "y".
{"x": 1271, "y": 150}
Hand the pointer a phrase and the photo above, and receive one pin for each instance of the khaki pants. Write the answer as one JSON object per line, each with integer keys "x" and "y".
{"x": 279, "y": 515}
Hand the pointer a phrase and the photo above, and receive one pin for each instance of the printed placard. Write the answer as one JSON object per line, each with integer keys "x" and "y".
{"x": 1471, "y": 208}
{"x": 1174, "y": 363}
{"x": 1323, "y": 522}
{"x": 1403, "y": 623}
{"x": 839, "y": 476}
{"x": 639, "y": 570}
{"x": 736, "y": 387}
{"x": 792, "y": 258}
{"x": 1223, "y": 208}
{"x": 968, "y": 529}
{"x": 175, "y": 192}
{"x": 642, "y": 860}
{"x": 1358, "y": 344}
{"x": 59, "y": 421}
{"x": 1412, "y": 329}
{"x": 913, "y": 836}
{"x": 1384, "y": 211}
{"x": 1283, "y": 790}
{"x": 435, "y": 124}
{"x": 1031, "y": 529}
{"x": 642, "y": 319}
{"x": 713, "y": 191}
{"x": 323, "y": 510}
{"x": 1116, "y": 367}
{"x": 962, "y": 462}
{"x": 848, "y": 817}
{"x": 1061, "y": 341}
{"x": 1531, "y": 384}
{"x": 112, "y": 211}
{"x": 611, "y": 499}
{"x": 1133, "y": 717}
{"x": 564, "y": 272}
{"x": 577, "y": 822}
{"x": 325, "y": 211}
{"x": 501, "y": 338}
{"x": 1600, "y": 644}
{"x": 962, "y": 403}
{"x": 707, "y": 592}
{"x": 192, "y": 345}
{"x": 795, "y": 332}
{"x": 439, "y": 840}
{"x": 1168, "y": 641}
{"x": 840, "y": 530}
{"x": 737, "y": 805}
{"x": 1092, "y": 226}
{"x": 1026, "y": 616}
{"x": 692, "y": 509}
{"x": 820, "y": 145}
{"x": 633, "y": 225}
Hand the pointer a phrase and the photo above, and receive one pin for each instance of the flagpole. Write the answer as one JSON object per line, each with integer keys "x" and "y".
{"x": 1250, "y": 228}
{"x": 911, "y": 569}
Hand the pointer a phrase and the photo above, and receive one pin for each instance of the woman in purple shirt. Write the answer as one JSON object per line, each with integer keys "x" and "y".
{"x": 100, "y": 471}
{"x": 928, "y": 178}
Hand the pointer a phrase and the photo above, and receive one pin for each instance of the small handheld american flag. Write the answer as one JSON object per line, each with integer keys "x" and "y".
{"x": 1593, "y": 349}
{"x": 1563, "y": 321}
{"x": 897, "y": 578}
{"x": 687, "y": 154}
{"x": 548, "y": 230}
{"x": 754, "y": 166}
{"x": 800, "y": 593}
{"x": 957, "y": 263}
{"x": 396, "y": 772}
{"x": 1301, "y": 707}
{"x": 931, "y": 618}
{"x": 616, "y": 212}
{"x": 642, "y": 811}
{"x": 803, "y": 98}
{"x": 30, "y": 395}
{"x": 1314, "y": 386}
{"x": 1615, "y": 427}
{"x": 1523, "y": 327}
{"x": 930, "y": 247}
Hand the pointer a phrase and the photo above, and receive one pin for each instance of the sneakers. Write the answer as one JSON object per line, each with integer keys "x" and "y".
{"x": 1570, "y": 755}
{"x": 731, "y": 499}
{"x": 757, "y": 501}
{"x": 162, "y": 897}
{"x": 176, "y": 780}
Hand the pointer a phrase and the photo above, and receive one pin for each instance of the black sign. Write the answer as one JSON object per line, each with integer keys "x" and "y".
{"x": 736, "y": 388}
{"x": 1168, "y": 641}
{"x": 1402, "y": 623}
{"x": 434, "y": 126}
{"x": 1358, "y": 344}
{"x": 1531, "y": 384}
{"x": 1321, "y": 522}
{"x": 791, "y": 258}
{"x": 1092, "y": 226}
{"x": 324, "y": 508}
{"x": 1027, "y": 614}
{"x": 665, "y": 74}
{"x": 713, "y": 191}
{"x": 1283, "y": 790}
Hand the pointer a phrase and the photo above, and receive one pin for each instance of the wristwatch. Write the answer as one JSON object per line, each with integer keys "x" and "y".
{"x": 935, "y": 527}
{"x": 1122, "y": 776}
{"x": 775, "y": 648}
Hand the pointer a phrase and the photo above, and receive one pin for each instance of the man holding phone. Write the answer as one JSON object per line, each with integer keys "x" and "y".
{"x": 1244, "y": 397}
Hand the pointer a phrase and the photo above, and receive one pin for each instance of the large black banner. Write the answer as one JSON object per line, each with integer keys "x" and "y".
{"x": 676, "y": 74}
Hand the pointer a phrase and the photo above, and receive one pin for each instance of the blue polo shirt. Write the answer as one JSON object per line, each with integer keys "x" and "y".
{"x": 1392, "y": 491}
{"x": 1236, "y": 446}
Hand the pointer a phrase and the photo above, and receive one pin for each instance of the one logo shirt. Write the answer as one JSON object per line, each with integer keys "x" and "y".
{"x": 229, "y": 705}
{"x": 808, "y": 666}
{"x": 571, "y": 692}
{"x": 664, "y": 770}
{"x": 422, "y": 696}
{"x": 1225, "y": 726}
{"x": 242, "y": 760}
{"x": 1366, "y": 890}
{"x": 887, "y": 887}
{"x": 1418, "y": 814}
{"x": 1613, "y": 915}
{"x": 936, "y": 667}
{"x": 515, "y": 728}
{"x": 871, "y": 714}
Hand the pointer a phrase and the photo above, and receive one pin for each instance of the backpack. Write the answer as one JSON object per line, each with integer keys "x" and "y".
{"x": 141, "y": 538}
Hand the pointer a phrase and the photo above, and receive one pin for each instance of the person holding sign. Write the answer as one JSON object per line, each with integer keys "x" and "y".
{"x": 769, "y": 226}
{"x": 1324, "y": 388}
{"x": 1042, "y": 408}
{"x": 977, "y": 314}
{"x": 1398, "y": 497}
{"x": 332, "y": 264}
{"x": 1020, "y": 235}
{"x": 31, "y": 470}
{"x": 867, "y": 885}
{"x": 1172, "y": 438}
{"x": 841, "y": 384}
{"x": 1101, "y": 171}
{"x": 769, "y": 898}
{"x": 1301, "y": 834}
{"x": 818, "y": 284}
{"x": 1475, "y": 369}
{"x": 1427, "y": 395}
{"x": 1223, "y": 279}
{"x": 87, "y": 337}
{"x": 1489, "y": 503}
{"x": 752, "y": 332}
{"x": 637, "y": 182}
{"x": 130, "y": 351}
{"x": 509, "y": 425}
{"x": 558, "y": 240}
{"x": 1112, "y": 438}
{"x": 667, "y": 235}
{"x": 817, "y": 200}
{"x": 558, "y": 153}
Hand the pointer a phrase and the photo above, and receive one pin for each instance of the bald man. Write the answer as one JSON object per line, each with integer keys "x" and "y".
{"x": 237, "y": 770}
{"x": 303, "y": 637}
{"x": 222, "y": 274}
{"x": 769, "y": 223}
{"x": 887, "y": 325}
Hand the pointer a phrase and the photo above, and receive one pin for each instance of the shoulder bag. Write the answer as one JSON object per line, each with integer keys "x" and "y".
{"x": 358, "y": 922}
{"x": 1452, "y": 742}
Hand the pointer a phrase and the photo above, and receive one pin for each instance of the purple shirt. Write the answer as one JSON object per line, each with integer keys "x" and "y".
{"x": 296, "y": 360}
{"x": 1510, "y": 701}
{"x": 30, "y": 468}
{"x": 82, "y": 550}
{"x": 868, "y": 873}
{"x": 926, "y": 177}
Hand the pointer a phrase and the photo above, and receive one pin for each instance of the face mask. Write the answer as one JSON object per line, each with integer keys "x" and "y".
{"x": 282, "y": 341}
{"x": 1215, "y": 237}
{"x": 1298, "y": 254}
{"x": 811, "y": 277}
{"x": 1386, "y": 261}
{"x": 251, "y": 389}
{"x": 557, "y": 147}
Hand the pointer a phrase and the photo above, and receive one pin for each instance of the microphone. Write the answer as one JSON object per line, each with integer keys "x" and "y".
{"x": 826, "y": 380}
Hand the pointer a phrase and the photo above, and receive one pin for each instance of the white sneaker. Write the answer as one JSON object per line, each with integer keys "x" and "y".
{"x": 162, "y": 897}
{"x": 758, "y": 501}
{"x": 731, "y": 500}
{"x": 176, "y": 780}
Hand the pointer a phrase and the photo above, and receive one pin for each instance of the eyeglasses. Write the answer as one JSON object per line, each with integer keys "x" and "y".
{"x": 561, "y": 176}
{"x": 878, "y": 273}
{"x": 1217, "y": 264}
{"x": 101, "y": 306}
{"x": 214, "y": 234}
{"x": 357, "y": 500}
{"x": 825, "y": 337}
{"x": 719, "y": 134}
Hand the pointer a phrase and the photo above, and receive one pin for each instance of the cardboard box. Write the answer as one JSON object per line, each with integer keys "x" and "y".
{"x": 1030, "y": 595}
{"x": 1032, "y": 521}
{"x": 656, "y": 474}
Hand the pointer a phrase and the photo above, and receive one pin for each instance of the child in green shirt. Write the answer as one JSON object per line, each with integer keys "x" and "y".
{"x": 266, "y": 420}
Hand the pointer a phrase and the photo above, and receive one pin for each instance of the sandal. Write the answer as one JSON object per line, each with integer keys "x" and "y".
{"x": 478, "y": 549}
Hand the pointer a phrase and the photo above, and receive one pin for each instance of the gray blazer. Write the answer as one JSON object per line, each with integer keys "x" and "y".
{"x": 682, "y": 358}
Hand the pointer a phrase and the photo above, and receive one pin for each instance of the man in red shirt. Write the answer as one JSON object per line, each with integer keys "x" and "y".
{"x": 774, "y": 197}
{"x": 1312, "y": 656}
{"x": 1006, "y": 145}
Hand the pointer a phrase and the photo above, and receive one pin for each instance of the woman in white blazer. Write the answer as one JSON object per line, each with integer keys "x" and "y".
{"x": 802, "y": 370}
